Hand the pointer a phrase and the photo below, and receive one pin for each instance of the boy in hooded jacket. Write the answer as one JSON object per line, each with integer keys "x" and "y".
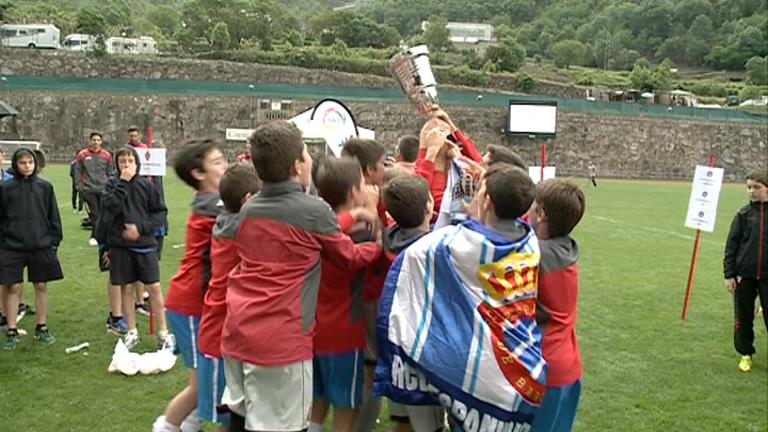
{"x": 131, "y": 212}
{"x": 30, "y": 233}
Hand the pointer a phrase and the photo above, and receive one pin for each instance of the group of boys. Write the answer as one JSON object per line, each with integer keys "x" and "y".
{"x": 276, "y": 295}
{"x": 277, "y": 292}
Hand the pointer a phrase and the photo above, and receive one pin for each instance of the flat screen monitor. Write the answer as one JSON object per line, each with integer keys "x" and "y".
{"x": 532, "y": 118}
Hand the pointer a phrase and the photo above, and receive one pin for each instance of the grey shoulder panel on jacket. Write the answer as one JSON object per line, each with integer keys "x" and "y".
{"x": 206, "y": 204}
{"x": 558, "y": 253}
{"x": 295, "y": 208}
{"x": 226, "y": 225}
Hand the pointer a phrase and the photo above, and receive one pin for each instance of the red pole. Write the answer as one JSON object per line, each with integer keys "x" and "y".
{"x": 149, "y": 137}
{"x": 543, "y": 160}
{"x": 691, "y": 272}
{"x": 694, "y": 258}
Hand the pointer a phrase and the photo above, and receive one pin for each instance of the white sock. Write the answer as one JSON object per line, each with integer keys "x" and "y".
{"x": 191, "y": 423}
{"x": 315, "y": 427}
{"x": 161, "y": 425}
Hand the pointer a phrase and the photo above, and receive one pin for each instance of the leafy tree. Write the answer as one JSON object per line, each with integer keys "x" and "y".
{"x": 508, "y": 56}
{"x": 354, "y": 29}
{"x": 4, "y": 7}
{"x": 686, "y": 11}
{"x": 628, "y": 58}
{"x": 220, "y": 39}
{"x": 165, "y": 18}
{"x": 757, "y": 70}
{"x": 569, "y": 52}
{"x": 642, "y": 78}
{"x": 437, "y": 35}
{"x": 90, "y": 21}
{"x": 673, "y": 47}
{"x": 663, "y": 75}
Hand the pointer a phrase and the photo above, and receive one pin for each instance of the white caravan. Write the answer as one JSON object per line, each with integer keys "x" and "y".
{"x": 141, "y": 45}
{"x": 79, "y": 42}
{"x": 29, "y": 36}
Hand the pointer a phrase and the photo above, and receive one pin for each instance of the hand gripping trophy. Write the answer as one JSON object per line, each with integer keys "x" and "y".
{"x": 412, "y": 70}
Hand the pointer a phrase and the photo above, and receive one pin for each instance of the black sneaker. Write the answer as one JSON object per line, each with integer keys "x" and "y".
{"x": 44, "y": 335}
{"x": 142, "y": 309}
{"x": 24, "y": 310}
{"x": 117, "y": 327}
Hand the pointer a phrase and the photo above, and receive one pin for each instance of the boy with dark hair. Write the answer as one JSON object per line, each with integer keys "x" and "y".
{"x": 92, "y": 170}
{"x": 340, "y": 338}
{"x": 745, "y": 266}
{"x": 272, "y": 295}
{"x": 30, "y": 233}
{"x": 141, "y": 295}
{"x": 557, "y": 209}
{"x": 496, "y": 153}
{"x": 370, "y": 154}
{"x": 201, "y": 165}
{"x": 238, "y": 184}
{"x": 407, "y": 152}
{"x": 133, "y": 211}
{"x": 408, "y": 201}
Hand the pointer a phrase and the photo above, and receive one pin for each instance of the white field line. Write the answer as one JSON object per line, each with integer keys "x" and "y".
{"x": 658, "y": 230}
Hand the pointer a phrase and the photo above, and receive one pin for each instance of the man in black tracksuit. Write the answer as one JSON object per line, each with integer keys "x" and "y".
{"x": 30, "y": 233}
{"x": 746, "y": 265}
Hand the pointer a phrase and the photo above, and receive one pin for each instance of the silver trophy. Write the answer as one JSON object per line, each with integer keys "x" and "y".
{"x": 412, "y": 70}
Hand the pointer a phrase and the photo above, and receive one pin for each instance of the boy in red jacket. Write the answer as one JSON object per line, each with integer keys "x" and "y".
{"x": 340, "y": 338}
{"x": 272, "y": 295}
{"x": 239, "y": 183}
{"x": 200, "y": 164}
{"x": 557, "y": 208}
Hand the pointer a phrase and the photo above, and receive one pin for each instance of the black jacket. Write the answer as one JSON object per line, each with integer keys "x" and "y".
{"x": 29, "y": 213}
{"x": 746, "y": 253}
{"x": 136, "y": 201}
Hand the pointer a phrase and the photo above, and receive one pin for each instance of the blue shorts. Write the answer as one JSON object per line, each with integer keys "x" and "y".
{"x": 186, "y": 328}
{"x": 210, "y": 384}
{"x": 339, "y": 379}
{"x": 558, "y": 411}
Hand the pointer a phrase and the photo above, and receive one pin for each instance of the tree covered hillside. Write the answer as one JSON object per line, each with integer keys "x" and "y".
{"x": 608, "y": 34}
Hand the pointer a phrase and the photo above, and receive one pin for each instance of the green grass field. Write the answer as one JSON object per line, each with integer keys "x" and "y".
{"x": 645, "y": 370}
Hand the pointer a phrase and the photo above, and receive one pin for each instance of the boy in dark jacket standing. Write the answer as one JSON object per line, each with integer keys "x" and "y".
{"x": 746, "y": 265}
{"x": 30, "y": 233}
{"x": 132, "y": 212}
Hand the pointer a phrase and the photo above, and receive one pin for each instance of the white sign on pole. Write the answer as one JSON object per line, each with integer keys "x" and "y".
{"x": 238, "y": 134}
{"x": 702, "y": 208}
{"x": 152, "y": 161}
{"x": 535, "y": 173}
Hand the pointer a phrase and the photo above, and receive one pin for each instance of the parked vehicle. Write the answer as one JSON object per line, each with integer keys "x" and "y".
{"x": 79, "y": 42}
{"x": 141, "y": 45}
{"x": 29, "y": 36}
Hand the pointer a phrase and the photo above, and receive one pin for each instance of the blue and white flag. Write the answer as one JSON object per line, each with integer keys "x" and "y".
{"x": 457, "y": 327}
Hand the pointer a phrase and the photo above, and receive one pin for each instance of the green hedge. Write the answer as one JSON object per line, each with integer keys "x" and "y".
{"x": 322, "y": 58}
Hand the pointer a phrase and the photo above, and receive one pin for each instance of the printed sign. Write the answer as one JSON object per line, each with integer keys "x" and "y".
{"x": 152, "y": 161}
{"x": 331, "y": 122}
{"x": 238, "y": 134}
{"x": 702, "y": 208}
{"x": 535, "y": 173}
